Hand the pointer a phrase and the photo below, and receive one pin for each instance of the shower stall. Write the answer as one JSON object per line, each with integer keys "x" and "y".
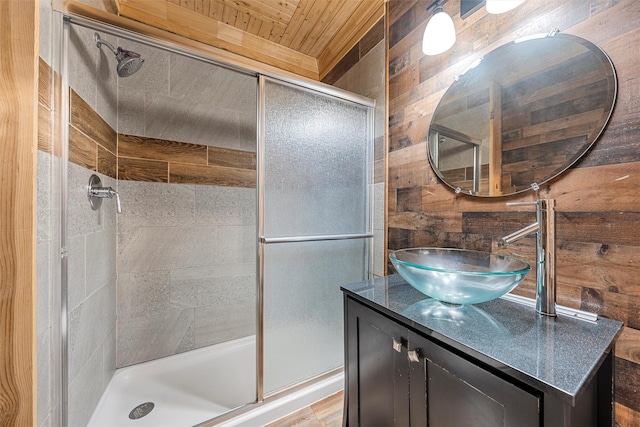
{"x": 245, "y": 203}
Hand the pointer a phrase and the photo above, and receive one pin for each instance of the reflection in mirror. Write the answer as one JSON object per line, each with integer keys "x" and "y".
{"x": 525, "y": 113}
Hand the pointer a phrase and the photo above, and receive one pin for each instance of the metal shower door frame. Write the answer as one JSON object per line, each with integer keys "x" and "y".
{"x": 263, "y": 240}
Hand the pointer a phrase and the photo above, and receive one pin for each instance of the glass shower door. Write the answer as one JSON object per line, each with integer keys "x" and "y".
{"x": 314, "y": 227}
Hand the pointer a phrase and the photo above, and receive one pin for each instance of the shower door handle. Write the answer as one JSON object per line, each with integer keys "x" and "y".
{"x": 414, "y": 355}
{"x": 397, "y": 344}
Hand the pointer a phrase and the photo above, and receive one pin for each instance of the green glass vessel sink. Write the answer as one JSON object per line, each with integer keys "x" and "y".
{"x": 459, "y": 276}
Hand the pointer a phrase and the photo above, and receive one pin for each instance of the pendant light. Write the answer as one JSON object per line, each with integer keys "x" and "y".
{"x": 440, "y": 33}
{"x": 500, "y": 6}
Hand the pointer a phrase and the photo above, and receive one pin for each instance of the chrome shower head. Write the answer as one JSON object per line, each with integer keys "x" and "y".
{"x": 128, "y": 62}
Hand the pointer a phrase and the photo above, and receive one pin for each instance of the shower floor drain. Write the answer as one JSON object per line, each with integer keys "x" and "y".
{"x": 141, "y": 410}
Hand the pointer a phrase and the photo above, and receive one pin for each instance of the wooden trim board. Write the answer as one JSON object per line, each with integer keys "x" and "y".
{"x": 19, "y": 136}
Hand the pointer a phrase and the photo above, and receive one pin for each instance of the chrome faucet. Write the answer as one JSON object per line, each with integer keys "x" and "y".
{"x": 545, "y": 230}
{"x": 96, "y": 192}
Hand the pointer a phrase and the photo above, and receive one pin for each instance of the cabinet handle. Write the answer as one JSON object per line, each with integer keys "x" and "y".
{"x": 414, "y": 355}
{"x": 397, "y": 345}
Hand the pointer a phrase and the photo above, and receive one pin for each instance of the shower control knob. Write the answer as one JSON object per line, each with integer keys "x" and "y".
{"x": 95, "y": 193}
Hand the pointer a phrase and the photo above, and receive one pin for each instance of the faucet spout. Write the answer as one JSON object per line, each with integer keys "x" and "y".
{"x": 544, "y": 230}
{"x": 522, "y": 233}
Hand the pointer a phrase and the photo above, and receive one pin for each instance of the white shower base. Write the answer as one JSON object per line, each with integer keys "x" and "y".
{"x": 186, "y": 389}
{"x": 197, "y": 386}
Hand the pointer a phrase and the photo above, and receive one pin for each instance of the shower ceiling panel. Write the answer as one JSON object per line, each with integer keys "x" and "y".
{"x": 306, "y": 37}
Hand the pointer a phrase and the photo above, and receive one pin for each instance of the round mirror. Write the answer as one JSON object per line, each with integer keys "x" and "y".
{"x": 522, "y": 115}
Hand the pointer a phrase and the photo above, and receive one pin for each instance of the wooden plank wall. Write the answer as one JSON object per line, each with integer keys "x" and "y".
{"x": 598, "y": 206}
{"x": 18, "y": 147}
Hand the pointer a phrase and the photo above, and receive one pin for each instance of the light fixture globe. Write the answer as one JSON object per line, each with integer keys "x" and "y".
{"x": 440, "y": 33}
{"x": 500, "y": 6}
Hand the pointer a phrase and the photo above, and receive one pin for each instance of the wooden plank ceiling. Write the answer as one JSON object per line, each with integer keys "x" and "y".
{"x": 306, "y": 37}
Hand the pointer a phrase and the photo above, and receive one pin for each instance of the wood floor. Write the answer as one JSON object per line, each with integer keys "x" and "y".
{"x": 325, "y": 413}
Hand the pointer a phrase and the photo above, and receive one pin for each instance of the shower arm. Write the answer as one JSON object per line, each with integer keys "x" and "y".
{"x": 100, "y": 42}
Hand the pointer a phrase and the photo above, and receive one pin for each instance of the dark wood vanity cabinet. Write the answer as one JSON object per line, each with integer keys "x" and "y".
{"x": 397, "y": 376}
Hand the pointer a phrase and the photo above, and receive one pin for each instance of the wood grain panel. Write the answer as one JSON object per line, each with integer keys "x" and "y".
{"x": 409, "y": 199}
{"x": 364, "y": 46}
{"x": 597, "y": 202}
{"x": 306, "y": 37}
{"x": 142, "y": 170}
{"x": 628, "y": 345}
{"x": 231, "y": 158}
{"x": 329, "y": 23}
{"x": 107, "y": 162}
{"x": 143, "y": 147}
{"x": 297, "y": 21}
{"x": 371, "y": 39}
{"x": 45, "y": 142}
{"x": 626, "y": 417}
{"x": 277, "y": 11}
{"x": 361, "y": 21}
{"x": 44, "y": 83}
{"x": 379, "y": 172}
{"x": 628, "y": 384}
{"x": 83, "y": 151}
{"x": 326, "y": 413}
{"x": 315, "y": 12}
{"x": 192, "y": 24}
{"x": 18, "y": 151}
{"x": 410, "y": 175}
{"x": 86, "y": 120}
{"x": 449, "y": 222}
{"x": 350, "y": 59}
{"x": 181, "y": 173}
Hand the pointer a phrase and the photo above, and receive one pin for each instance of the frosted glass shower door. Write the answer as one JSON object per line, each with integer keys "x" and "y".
{"x": 315, "y": 223}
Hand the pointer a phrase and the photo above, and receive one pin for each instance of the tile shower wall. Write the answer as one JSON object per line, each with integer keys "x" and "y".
{"x": 91, "y": 282}
{"x": 186, "y": 268}
{"x": 362, "y": 71}
{"x": 186, "y": 253}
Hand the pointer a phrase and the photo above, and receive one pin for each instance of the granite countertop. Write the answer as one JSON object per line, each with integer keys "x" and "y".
{"x": 557, "y": 355}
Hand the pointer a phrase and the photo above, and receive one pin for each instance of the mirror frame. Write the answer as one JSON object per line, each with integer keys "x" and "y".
{"x": 459, "y": 136}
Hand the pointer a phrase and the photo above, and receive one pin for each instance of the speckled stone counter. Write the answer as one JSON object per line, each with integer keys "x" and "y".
{"x": 557, "y": 355}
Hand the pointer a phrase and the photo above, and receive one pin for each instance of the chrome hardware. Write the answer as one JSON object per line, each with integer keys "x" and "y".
{"x": 397, "y": 345}
{"x": 96, "y": 192}
{"x": 560, "y": 309}
{"x": 414, "y": 355}
{"x": 545, "y": 230}
{"x": 319, "y": 238}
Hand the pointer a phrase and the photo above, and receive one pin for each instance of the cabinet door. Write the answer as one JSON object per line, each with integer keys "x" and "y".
{"x": 459, "y": 393}
{"x": 377, "y": 380}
